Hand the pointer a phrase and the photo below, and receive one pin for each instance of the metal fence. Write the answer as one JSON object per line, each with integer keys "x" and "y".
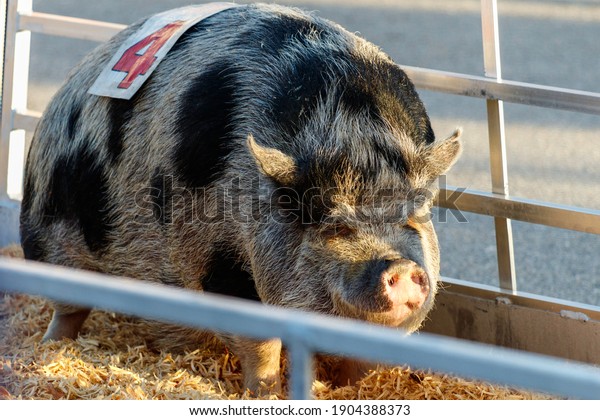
{"x": 303, "y": 333}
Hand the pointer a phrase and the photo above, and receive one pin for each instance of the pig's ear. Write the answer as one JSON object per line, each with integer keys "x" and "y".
{"x": 444, "y": 154}
{"x": 273, "y": 163}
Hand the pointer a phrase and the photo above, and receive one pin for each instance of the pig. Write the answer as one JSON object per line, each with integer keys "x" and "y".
{"x": 272, "y": 156}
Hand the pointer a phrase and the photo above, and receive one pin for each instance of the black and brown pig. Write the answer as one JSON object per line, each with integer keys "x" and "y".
{"x": 271, "y": 156}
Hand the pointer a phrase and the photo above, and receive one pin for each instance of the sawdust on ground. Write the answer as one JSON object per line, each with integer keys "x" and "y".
{"x": 113, "y": 359}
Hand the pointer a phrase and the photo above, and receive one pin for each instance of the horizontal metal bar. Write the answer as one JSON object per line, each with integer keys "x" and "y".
{"x": 441, "y": 81}
{"x": 70, "y": 27}
{"x": 527, "y": 300}
{"x": 525, "y": 210}
{"x": 505, "y": 90}
{"x": 25, "y": 119}
{"x": 321, "y": 333}
{"x": 489, "y": 204}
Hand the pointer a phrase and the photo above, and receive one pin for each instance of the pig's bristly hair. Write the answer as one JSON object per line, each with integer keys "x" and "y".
{"x": 113, "y": 186}
{"x": 360, "y": 159}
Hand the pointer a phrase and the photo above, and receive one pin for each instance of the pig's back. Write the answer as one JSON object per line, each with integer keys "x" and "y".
{"x": 109, "y": 181}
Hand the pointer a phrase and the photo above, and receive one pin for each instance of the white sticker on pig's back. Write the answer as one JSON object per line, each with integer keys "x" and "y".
{"x": 143, "y": 51}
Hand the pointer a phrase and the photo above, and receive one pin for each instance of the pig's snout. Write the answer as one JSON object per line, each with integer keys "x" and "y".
{"x": 405, "y": 284}
{"x": 389, "y": 291}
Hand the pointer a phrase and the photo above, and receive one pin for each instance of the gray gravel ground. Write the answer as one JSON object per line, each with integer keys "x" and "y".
{"x": 553, "y": 155}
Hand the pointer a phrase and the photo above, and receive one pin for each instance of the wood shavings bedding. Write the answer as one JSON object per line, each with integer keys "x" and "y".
{"x": 113, "y": 358}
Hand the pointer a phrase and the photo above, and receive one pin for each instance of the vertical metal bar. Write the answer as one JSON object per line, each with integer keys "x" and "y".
{"x": 10, "y": 29}
{"x": 3, "y": 7}
{"x": 497, "y": 142}
{"x": 14, "y": 88}
{"x": 301, "y": 369}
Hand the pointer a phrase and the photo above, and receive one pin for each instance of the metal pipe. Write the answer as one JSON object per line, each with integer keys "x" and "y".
{"x": 525, "y": 210}
{"x": 505, "y": 90}
{"x": 69, "y": 27}
{"x": 325, "y": 334}
{"x": 497, "y": 141}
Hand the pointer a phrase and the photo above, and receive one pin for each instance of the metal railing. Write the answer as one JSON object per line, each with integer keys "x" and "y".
{"x": 305, "y": 333}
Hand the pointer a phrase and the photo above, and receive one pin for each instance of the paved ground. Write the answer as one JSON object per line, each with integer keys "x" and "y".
{"x": 553, "y": 155}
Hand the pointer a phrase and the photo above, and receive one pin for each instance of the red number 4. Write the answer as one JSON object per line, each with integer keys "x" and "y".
{"x": 134, "y": 64}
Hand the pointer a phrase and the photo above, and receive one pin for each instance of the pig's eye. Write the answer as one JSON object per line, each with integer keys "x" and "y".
{"x": 337, "y": 231}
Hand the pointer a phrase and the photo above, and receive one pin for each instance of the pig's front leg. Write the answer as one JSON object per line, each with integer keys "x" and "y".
{"x": 261, "y": 362}
{"x": 66, "y": 322}
{"x": 350, "y": 371}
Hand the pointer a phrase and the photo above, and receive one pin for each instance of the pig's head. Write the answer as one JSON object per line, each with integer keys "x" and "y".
{"x": 358, "y": 185}
{"x": 366, "y": 233}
